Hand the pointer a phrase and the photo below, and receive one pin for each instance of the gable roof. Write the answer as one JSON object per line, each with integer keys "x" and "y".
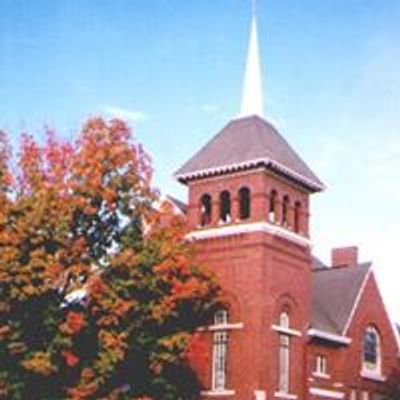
{"x": 180, "y": 205}
{"x": 334, "y": 294}
{"x": 247, "y": 143}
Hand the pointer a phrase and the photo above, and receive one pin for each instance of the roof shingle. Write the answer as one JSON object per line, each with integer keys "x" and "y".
{"x": 334, "y": 293}
{"x": 249, "y": 142}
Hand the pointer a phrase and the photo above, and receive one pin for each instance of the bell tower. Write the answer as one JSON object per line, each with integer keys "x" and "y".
{"x": 248, "y": 213}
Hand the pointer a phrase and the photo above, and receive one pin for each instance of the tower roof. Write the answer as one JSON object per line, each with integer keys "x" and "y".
{"x": 247, "y": 143}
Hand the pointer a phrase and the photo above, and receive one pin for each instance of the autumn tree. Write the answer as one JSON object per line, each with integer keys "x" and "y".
{"x": 98, "y": 299}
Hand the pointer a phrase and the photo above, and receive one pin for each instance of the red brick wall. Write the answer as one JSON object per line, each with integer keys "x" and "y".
{"x": 265, "y": 273}
{"x": 344, "y": 362}
{"x": 371, "y": 310}
{"x": 260, "y": 182}
{"x": 262, "y": 273}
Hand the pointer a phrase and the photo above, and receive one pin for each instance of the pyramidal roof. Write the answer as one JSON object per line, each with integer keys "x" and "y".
{"x": 247, "y": 143}
{"x": 250, "y": 141}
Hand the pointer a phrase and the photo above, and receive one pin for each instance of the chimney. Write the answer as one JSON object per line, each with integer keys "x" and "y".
{"x": 344, "y": 256}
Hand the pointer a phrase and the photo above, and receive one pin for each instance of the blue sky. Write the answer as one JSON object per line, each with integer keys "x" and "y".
{"x": 174, "y": 69}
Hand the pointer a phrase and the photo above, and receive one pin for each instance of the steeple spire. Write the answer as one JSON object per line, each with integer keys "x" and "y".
{"x": 252, "y": 100}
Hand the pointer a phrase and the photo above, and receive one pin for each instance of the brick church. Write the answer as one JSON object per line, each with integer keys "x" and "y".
{"x": 291, "y": 327}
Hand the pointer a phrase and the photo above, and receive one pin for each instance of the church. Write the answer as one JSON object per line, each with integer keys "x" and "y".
{"x": 290, "y": 326}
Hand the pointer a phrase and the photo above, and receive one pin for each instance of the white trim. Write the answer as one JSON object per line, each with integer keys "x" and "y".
{"x": 267, "y": 162}
{"x": 372, "y": 368}
{"x": 238, "y": 229}
{"x": 221, "y": 327}
{"x": 282, "y": 395}
{"x": 338, "y": 385}
{"x": 372, "y": 376}
{"x": 260, "y": 395}
{"x": 329, "y": 336}
{"x": 332, "y": 394}
{"x": 286, "y": 331}
{"x": 395, "y": 331}
{"x": 224, "y": 392}
{"x": 225, "y": 327}
{"x": 246, "y": 172}
{"x": 321, "y": 375}
{"x": 358, "y": 299}
{"x": 391, "y": 321}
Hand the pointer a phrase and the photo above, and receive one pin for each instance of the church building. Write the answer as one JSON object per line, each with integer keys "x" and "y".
{"x": 290, "y": 326}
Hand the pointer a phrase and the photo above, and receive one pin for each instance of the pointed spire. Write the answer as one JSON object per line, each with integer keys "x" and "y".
{"x": 252, "y": 100}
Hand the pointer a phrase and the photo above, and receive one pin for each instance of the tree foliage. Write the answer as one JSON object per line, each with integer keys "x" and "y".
{"x": 98, "y": 298}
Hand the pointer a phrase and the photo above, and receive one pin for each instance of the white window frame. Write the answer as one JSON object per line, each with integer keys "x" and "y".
{"x": 219, "y": 352}
{"x": 353, "y": 394}
{"x": 284, "y": 355}
{"x": 321, "y": 366}
{"x": 364, "y": 395}
{"x": 369, "y": 368}
{"x": 284, "y": 363}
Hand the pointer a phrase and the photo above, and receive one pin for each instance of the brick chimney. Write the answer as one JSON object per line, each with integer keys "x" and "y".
{"x": 344, "y": 256}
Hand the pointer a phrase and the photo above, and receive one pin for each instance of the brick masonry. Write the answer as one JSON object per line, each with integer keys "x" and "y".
{"x": 263, "y": 273}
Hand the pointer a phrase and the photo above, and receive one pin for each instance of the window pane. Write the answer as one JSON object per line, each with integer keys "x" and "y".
{"x": 370, "y": 347}
{"x": 284, "y": 364}
{"x": 284, "y": 320}
{"x": 244, "y": 199}
{"x": 225, "y": 206}
{"x": 205, "y": 210}
{"x": 221, "y": 317}
{"x": 219, "y": 360}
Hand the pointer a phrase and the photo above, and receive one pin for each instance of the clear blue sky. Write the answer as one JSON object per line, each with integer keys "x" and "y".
{"x": 174, "y": 68}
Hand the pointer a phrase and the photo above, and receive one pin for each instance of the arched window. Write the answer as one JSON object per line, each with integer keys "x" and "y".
{"x": 284, "y": 353}
{"x": 297, "y": 212}
{"x": 284, "y": 319}
{"x": 219, "y": 351}
{"x": 272, "y": 206}
{"x": 205, "y": 209}
{"x": 371, "y": 351}
{"x": 285, "y": 211}
{"x": 221, "y": 317}
{"x": 244, "y": 203}
{"x": 225, "y": 207}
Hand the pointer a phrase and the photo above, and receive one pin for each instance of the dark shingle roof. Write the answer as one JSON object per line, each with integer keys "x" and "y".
{"x": 245, "y": 143}
{"x": 181, "y": 206}
{"x": 334, "y": 293}
{"x": 317, "y": 264}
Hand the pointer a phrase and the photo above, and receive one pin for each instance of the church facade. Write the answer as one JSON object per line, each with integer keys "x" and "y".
{"x": 289, "y": 326}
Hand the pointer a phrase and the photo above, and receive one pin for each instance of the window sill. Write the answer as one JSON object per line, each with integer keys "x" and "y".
{"x": 288, "y": 396}
{"x": 286, "y": 331}
{"x": 222, "y": 392}
{"x": 222, "y": 327}
{"x": 373, "y": 376}
{"x": 321, "y": 375}
{"x": 226, "y": 327}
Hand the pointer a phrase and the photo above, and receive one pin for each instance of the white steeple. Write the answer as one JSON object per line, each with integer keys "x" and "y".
{"x": 252, "y": 100}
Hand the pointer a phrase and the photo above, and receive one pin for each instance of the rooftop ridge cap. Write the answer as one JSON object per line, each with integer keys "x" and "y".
{"x": 364, "y": 264}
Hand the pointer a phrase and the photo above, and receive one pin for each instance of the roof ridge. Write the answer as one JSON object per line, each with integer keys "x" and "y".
{"x": 366, "y": 264}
